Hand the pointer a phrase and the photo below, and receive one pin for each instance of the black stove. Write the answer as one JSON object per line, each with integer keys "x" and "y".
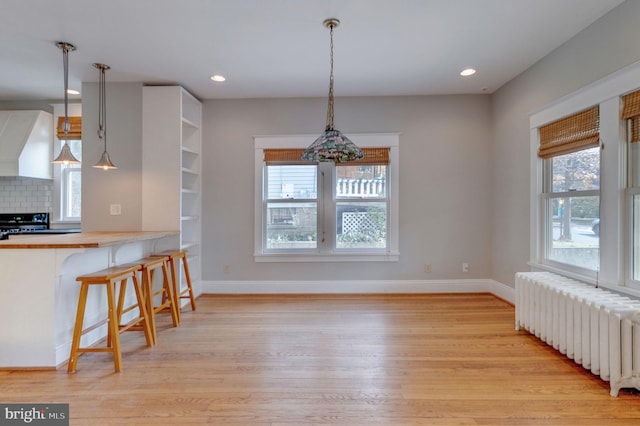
{"x": 23, "y": 223}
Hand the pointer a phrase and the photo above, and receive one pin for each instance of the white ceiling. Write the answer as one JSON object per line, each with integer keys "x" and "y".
{"x": 279, "y": 48}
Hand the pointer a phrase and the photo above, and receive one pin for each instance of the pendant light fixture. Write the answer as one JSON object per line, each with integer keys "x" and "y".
{"x": 105, "y": 162}
{"x": 66, "y": 157}
{"x": 332, "y": 145}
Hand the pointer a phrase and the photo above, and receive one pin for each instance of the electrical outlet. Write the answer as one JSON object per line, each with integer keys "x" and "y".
{"x": 465, "y": 267}
{"x": 427, "y": 267}
{"x": 115, "y": 209}
{"x": 226, "y": 269}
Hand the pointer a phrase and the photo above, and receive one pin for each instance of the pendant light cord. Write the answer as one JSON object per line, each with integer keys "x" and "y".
{"x": 102, "y": 107}
{"x": 65, "y": 65}
{"x": 330, "y": 102}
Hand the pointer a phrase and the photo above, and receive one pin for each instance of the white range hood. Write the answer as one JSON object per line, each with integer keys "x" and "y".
{"x": 26, "y": 144}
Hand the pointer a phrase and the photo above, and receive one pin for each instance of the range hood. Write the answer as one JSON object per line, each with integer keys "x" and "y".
{"x": 26, "y": 144}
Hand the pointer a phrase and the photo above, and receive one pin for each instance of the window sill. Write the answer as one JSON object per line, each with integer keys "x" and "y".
{"x": 65, "y": 224}
{"x": 329, "y": 257}
{"x": 629, "y": 291}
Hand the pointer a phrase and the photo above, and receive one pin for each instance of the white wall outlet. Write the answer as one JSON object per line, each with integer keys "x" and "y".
{"x": 427, "y": 267}
{"x": 226, "y": 269}
{"x": 465, "y": 267}
{"x": 115, "y": 209}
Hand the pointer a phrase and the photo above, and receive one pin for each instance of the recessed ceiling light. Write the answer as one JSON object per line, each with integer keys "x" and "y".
{"x": 467, "y": 72}
{"x": 72, "y": 92}
{"x": 217, "y": 77}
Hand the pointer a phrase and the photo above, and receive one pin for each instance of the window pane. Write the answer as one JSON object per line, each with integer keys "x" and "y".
{"x": 74, "y": 193}
{"x": 292, "y": 181}
{"x": 578, "y": 171}
{"x": 76, "y": 149}
{"x": 636, "y": 238}
{"x": 361, "y": 225}
{"x": 291, "y": 225}
{"x": 575, "y": 231}
{"x": 361, "y": 181}
{"x": 634, "y": 164}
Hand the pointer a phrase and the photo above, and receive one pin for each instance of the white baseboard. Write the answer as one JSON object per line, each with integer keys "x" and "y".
{"x": 364, "y": 287}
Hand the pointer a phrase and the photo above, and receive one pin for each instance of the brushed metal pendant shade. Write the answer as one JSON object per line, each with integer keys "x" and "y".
{"x": 66, "y": 157}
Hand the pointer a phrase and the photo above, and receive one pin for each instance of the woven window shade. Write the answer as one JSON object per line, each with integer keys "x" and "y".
{"x": 75, "y": 129}
{"x": 570, "y": 134}
{"x": 371, "y": 156}
{"x": 631, "y": 112}
{"x": 292, "y": 156}
{"x": 284, "y": 156}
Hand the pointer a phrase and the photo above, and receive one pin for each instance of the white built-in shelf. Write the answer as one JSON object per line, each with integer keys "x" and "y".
{"x": 189, "y": 150}
{"x": 189, "y": 123}
{"x": 172, "y": 142}
{"x": 191, "y": 171}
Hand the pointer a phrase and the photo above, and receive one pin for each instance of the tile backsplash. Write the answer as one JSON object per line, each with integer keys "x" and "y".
{"x": 25, "y": 195}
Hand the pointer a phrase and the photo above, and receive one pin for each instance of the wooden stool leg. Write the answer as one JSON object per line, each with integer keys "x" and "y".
{"x": 77, "y": 330}
{"x": 147, "y": 288}
{"x": 113, "y": 327}
{"x": 176, "y": 283}
{"x": 175, "y": 315}
{"x": 143, "y": 311}
{"x": 187, "y": 276}
{"x": 119, "y": 309}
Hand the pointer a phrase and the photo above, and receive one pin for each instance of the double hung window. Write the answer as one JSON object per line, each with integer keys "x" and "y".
{"x": 71, "y": 174}
{"x": 631, "y": 115}
{"x": 583, "y": 226}
{"x": 325, "y": 211}
{"x": 570, "y": 199}
{"x": 71, "y": 185}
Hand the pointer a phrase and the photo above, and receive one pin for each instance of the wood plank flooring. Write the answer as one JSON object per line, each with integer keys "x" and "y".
{"x": 332, "y": 360}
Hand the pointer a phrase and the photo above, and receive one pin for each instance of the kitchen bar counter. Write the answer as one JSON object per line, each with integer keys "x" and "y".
{"x": 80, "y": 240}
{"x": 39, "y": 291}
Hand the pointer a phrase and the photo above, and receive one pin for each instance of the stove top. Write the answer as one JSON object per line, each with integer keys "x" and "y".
{"x": 21, "y": 223}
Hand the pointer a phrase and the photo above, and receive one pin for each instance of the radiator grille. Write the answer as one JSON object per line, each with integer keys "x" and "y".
{"x": 596, "y": 328}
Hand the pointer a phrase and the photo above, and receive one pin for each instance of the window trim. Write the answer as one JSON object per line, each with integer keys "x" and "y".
{"x": 57, "y": 194}
{"x": 372, "y": 140}
{"x": 65, "y": 179}
{"x": 615, "y": 250}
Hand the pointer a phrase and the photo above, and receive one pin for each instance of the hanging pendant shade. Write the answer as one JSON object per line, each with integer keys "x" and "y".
{"x": 332, "y": 145}
{"x": 105, "y": 162}
{"x": 66, "y": 157}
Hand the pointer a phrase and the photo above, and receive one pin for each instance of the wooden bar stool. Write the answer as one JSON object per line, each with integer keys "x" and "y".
{"x": 174, "y": 258}
{"x": 148, "y": 266}
{"x": 109, "y": 278}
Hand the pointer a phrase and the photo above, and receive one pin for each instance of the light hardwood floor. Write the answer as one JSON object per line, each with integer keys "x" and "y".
{"x": 332, "y": 360}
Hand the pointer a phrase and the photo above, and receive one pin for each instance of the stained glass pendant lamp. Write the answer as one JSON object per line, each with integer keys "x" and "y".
{"x": 105, "y": 162}
{"x": 66, "y": 157}
{"x": 332, "y": 145}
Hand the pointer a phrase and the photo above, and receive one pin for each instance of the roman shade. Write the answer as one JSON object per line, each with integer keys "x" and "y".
{"x": 75, "y": 128}
{"x": 631, "y": 112}
{"x": 570, "y": 134}
{"x": 292, "y": 156}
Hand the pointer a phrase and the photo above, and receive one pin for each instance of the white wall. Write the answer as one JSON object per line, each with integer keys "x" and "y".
{"x": 607, "y": 45}
{"x": 123, "y": 186}
{"x": 464, "y": 178}
{"x": 445, "y": 191}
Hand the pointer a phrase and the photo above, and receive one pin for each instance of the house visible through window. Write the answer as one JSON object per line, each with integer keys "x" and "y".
{"x": 323, "y": 209}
